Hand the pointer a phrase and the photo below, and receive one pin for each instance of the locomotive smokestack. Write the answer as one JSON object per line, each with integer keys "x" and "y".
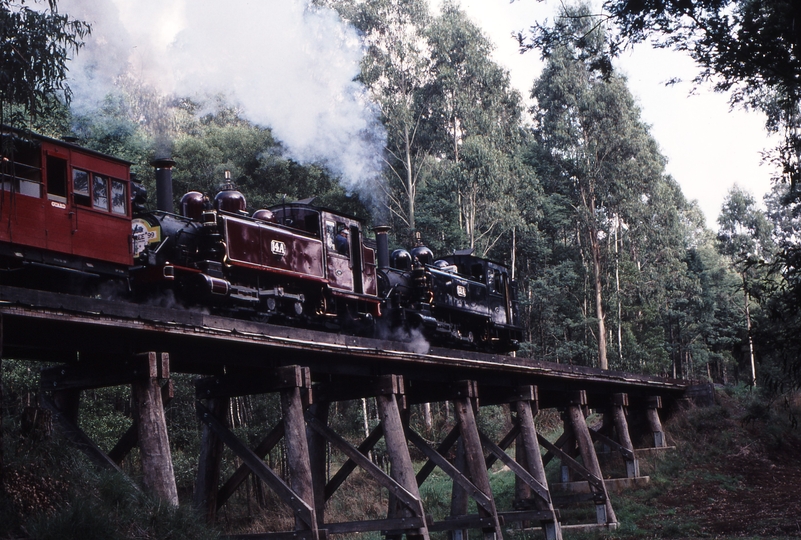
{"x": 382, "y": 246}
{"x": 163, "y": 168}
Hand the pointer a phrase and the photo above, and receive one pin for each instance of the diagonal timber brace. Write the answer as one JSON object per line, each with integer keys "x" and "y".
{"x": 540, "y": 489}
{"x": 474, "y": 454}
{"x": 350, "y": 465}
{"x": 574, "y": 465}
{"x": 435, "y": 457}
{"x": 240, "y": 475}
{"x": 362, "y": 461}
{"x": 80, "y": 439}
{"x": 300, "y": 508}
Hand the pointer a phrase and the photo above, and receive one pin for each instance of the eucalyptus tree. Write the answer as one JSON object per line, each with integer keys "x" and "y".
{"x": 777, "y": 334}
{"x": 749, "y": 48}
{"x": 396, "y": 71}
{"x": 745, "y": 237}
{"x": 35, "y": 47}
{"x": 476, "y": 128}
{"x": 590, "y": 129}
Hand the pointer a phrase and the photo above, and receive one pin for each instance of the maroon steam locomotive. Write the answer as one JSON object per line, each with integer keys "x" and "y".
{"x": 73, "y": 216}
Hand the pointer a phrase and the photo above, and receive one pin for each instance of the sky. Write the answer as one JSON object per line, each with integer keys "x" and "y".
{"x": 709, "y": 147}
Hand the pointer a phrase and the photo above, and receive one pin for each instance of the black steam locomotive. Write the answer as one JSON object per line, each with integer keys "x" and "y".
{"x": 294, "y": 263}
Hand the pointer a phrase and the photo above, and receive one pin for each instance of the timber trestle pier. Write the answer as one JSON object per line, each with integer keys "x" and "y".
{"x": 98, "y": 343}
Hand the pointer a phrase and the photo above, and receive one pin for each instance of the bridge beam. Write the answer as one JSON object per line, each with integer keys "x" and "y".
{"x": 145, "y": 372}
{"x": 402, "y": 470}
{"x": 532, "y": 461}
{"x": 474, "y": 455}
{"x": 620, "y": 403}
{"x": 297, "y": 450}
{"x": 652, "y": 414}
{"x": 206, "y": 495}
{"x": 294, "y": 385}
{"x": 154, "y": 443}
{"x": 575, "y": 416}
{"x": 318, "y": 459}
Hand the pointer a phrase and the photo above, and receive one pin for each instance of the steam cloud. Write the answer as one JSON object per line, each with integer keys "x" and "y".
{"x": 286, "y": 65}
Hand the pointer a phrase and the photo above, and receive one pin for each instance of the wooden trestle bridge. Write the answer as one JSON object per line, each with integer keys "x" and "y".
{"x": 100, "y": 343}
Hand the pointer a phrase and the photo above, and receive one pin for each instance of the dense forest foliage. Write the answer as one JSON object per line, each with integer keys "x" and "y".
{"x": 615, "y": 268}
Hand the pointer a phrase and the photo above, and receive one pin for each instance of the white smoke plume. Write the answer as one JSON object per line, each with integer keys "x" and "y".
{"x": 286, "y": 65}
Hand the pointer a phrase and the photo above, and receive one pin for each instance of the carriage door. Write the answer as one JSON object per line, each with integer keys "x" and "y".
{"x": 59, "y": 214}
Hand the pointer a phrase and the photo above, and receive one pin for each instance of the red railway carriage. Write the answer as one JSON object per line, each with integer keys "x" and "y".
{"x": 63, "y": 206}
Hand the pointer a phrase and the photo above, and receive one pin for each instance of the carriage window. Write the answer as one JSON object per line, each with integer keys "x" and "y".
{"x": 21, "y": 169}
{"x": 100, "y": 192}
{"x": 119, "y": 197}
{"x": 56, "y": 178}
{"x": 31, "y": 189}
{"x": 80, "y": 187}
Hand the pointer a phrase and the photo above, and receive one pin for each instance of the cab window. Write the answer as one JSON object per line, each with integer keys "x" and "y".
{"x": 499, "y": 282}
{"x": 100, "y": 192}
{"x": 119, "y": 197}
{"x": 330, "y": 233}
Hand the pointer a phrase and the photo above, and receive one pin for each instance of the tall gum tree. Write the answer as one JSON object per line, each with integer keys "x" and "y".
{"x": 35, "y": 46}
{"x": 745, "y": 236}
{"x": 475, "y": 119}
{"x": 590, "y": 127}
{"x": 749, "y": 48}
{"x": 396, "y": 70}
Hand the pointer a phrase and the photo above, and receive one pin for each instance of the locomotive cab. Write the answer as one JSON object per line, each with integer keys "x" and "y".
{"x": 501, "y": 293}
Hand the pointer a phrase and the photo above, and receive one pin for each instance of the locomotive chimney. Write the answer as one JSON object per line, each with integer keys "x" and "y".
{"x": 163, "y": 168}
{"x": 382, "y": 246}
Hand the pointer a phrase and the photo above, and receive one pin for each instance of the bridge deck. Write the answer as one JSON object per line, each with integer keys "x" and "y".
{"x": 62, "y": 328}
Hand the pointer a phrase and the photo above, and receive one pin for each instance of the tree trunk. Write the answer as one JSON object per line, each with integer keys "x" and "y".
{"x": 154, "y": 444}
{"x": 427, "y": 419}
{"x": 617, "y": 290}
{"x": 748, "y": 328}
{"x": 595, "y": 247}
{"x": 410, "y": 183}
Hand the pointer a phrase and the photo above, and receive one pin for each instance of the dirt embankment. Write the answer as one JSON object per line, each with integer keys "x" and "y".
{"x": 742, "y": 474}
